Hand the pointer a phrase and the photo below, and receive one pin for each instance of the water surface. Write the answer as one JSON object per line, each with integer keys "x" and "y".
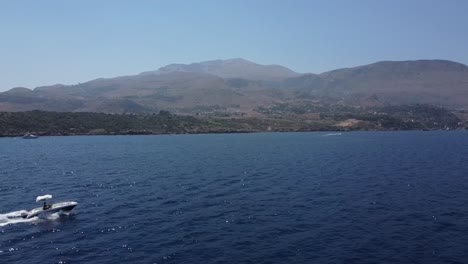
{"x": 361, "y": 197}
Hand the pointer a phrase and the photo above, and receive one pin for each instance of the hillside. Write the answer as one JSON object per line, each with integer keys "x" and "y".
{"x": 400, "y": 82}
{"x": 239, "y": 87}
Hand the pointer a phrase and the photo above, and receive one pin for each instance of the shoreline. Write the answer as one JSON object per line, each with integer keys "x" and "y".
{"x": 225, "y": 132}
{"x": 40, "y": 123}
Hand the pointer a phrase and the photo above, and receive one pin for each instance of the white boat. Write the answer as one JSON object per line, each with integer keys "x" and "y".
{"x": 333, "y": 134}
{"x": 49, "y": 208}
{"x": 30, "y": 136}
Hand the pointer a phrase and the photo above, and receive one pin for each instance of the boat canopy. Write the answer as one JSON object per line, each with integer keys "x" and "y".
{"x": 43, "y": 197}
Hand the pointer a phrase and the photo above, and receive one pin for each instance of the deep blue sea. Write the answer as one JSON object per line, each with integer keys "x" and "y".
{"x": 359, "y": 197}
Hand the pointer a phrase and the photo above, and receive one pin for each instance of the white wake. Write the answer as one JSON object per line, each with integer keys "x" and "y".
{"x": 16, "y": 218}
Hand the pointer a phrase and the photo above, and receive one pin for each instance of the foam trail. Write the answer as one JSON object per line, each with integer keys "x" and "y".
{"x": 14, "y": 218}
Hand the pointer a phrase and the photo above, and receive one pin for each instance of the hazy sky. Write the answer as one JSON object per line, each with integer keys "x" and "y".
{"x": 48, "y": 42}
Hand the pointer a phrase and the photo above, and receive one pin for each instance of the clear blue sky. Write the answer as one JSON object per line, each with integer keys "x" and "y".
{"x": 56, "y": 41}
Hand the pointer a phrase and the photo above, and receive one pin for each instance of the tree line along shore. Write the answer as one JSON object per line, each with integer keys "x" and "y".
{"x": 279, "y": 119}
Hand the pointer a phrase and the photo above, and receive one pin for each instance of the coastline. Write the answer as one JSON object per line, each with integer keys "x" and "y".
{"x": 42, "y": 123}
{"x": 214, "y": 132}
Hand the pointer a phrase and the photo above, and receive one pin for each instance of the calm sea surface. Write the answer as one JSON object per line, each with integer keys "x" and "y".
{"x": 360, "y": 197}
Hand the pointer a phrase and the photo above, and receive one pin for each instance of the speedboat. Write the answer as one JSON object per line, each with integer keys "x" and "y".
{"x": 30, "y": 136}
{"x": 333, "y": 134}
{"x": 49, "y": 208}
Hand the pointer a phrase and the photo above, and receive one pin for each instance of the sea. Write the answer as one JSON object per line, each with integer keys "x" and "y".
{"x": 356, "y": 197}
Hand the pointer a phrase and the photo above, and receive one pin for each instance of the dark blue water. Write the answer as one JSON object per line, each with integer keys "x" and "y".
{"x": 362, "y": 197}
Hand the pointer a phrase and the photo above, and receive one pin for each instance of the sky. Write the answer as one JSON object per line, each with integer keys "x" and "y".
{"x": 55, "y": 41}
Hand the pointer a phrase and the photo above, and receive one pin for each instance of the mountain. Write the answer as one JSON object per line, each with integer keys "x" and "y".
{"x": 232, "y": 68}
{"x": 241, "y": 87}
{"x": 436, "y": 82}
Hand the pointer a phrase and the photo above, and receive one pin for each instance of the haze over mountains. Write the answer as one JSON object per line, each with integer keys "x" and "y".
{"x": 241, "y": 86}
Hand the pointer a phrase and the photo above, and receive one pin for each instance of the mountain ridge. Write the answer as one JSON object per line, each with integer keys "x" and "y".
{"x": 238, "y": 86}
{"x": 230, "y": 68}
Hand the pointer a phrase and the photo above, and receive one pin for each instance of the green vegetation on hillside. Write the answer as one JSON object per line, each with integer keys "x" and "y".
{"x": 397, "y": 117}
{"x": 403, "y": 117}
{"x": 276, "y": 118}
{"x": 61, "y": 123}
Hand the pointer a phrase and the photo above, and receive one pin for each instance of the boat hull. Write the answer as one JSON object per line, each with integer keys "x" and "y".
{"x": 57, "y": 207}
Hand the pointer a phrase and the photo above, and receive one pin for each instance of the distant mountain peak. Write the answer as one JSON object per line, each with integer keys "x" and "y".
{"x": 230, "y": 68}
{"x": 19, "y": 90}
{"x": 407, "y": 67}
{"x": 235, "y": 61}
{"x": 422, "y": 64}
